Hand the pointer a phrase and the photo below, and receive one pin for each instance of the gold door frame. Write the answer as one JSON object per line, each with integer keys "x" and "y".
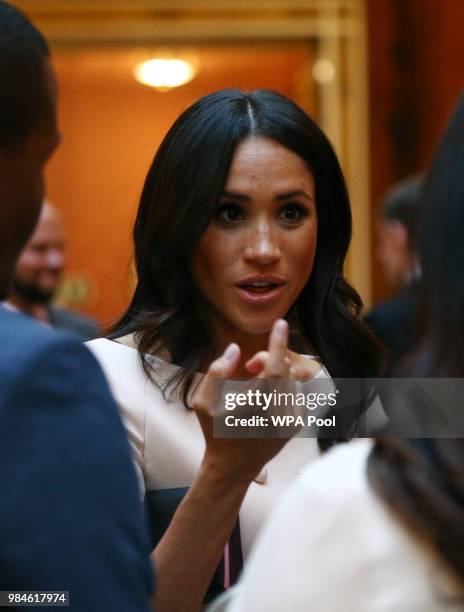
{"x": 338, "y": 27}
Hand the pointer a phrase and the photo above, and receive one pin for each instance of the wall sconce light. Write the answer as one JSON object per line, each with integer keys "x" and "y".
{"x": 323, "y": 71}
{"x": 165, "y": 73}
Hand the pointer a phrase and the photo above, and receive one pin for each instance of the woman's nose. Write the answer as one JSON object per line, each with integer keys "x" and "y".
{"x": 262, "y": 245}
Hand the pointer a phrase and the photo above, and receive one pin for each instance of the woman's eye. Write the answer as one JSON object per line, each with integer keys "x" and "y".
{"x": 230, "y": 213}
{"x": 293, "y": 212}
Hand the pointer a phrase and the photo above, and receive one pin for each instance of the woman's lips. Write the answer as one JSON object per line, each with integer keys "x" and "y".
{"x": 260, "y": 295}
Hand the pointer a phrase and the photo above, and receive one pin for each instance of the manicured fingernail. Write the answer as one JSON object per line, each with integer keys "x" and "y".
{"x": 230, "y": 352}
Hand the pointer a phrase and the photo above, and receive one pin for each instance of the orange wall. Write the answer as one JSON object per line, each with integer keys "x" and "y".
{"x": 111, "y": 128}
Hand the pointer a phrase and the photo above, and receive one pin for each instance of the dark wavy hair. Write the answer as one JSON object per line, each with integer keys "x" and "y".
{"x": 440, "y": 247}
{"x": 179, "y": 199}
{"x": 23, "y": 95}
{"x": 423, "y": 479}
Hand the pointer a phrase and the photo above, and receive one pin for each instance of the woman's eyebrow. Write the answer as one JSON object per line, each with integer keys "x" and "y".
{"x": 236, "y": 196}
{"x": 292, "y": 194}
{"x": 281, "y": 196}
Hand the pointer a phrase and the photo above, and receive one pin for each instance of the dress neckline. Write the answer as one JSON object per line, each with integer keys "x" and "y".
{"x": 153, "y": 357}
{"x": 173, "y": 366}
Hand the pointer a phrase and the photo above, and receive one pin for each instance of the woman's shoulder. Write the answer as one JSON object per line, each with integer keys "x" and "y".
{"x": 133, "y": 389}
{"x": 125, "y": 374}
{"x": 123, "y": 352}
{"x": 331, "y": 526}
{"x": 339, "y": 472}
{"x": 111, "y": 354}
{"x": 335, "y": 487}
{"x": 103, "y": 345}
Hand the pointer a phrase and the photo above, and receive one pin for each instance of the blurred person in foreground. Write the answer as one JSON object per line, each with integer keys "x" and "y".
{"x": 71, "y": 516}
{"x": 378, "y": 525}
{"x": 37, "y": 274}
{"x": 70, "y": 519}
{"x": 394, "y": 321}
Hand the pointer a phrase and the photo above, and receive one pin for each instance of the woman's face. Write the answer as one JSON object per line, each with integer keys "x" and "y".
{"x": 257, "y": 253}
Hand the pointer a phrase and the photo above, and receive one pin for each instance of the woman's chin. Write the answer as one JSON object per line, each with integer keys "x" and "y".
{"x": 245, "y": 325}
{"x": 257, "y": 327}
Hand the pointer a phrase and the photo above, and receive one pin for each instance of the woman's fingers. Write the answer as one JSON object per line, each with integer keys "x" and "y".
{"x": 223, "y": 367}
{"x": 257, "y": 362}
{"x": 302, "y": 371}
{"x": 277, "y": 365}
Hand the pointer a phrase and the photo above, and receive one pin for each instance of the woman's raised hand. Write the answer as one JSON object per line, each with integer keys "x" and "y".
{"x": 241, "y": 458}
{"x": 301, "y": 367}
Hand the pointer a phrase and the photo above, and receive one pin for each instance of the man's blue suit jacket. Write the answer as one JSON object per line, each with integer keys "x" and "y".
{"x": 71, "y": 516}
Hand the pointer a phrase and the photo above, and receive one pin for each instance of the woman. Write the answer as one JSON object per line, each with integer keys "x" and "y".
{"x": 244, "y": 218}
{"x": 380, "y": 526}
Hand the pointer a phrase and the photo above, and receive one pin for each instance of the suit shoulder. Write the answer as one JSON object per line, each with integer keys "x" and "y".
{"x": 66, "y": 320}
{"x": 21, "y": 334}
{"x": 26, "y": 342}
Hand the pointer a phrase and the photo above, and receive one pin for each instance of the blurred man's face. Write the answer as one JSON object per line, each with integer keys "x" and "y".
{"x": 22, "y": 182}
{"x": 393, "y": 253}
{"x": 40, "y": 265}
